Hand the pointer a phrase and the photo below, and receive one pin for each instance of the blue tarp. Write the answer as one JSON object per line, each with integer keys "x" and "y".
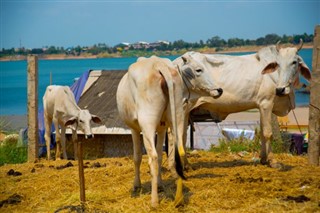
{"x": 77, "y": 89}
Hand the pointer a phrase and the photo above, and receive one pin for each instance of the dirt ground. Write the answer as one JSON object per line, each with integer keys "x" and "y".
{"x": 218, "y": 182}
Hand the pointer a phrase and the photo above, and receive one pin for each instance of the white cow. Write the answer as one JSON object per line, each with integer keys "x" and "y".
{"x": 264, "y": 80}
{"x": 60, "y": 107}
{"x": 151, "y": 97}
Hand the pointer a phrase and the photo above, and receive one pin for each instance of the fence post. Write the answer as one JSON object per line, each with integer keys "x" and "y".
{"x": 32, "y": 108}
{"x": 314, "y": 107}
{"x": 276, "y": 129}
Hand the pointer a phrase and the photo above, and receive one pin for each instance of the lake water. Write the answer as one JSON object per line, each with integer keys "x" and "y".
{"x": 13, "y": 77}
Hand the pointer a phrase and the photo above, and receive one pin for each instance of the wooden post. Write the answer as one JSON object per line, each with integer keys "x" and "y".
{"x": 32, "y": 108}
{"x": 191, "y": 135}
{"x": 276, "y": 129}
{"x": 314, "y": 107}
{"x": 81, "y": 174}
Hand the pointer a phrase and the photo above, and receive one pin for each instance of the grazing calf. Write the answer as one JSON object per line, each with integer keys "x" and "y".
{"x": 60, "y": 107}
{"x": 151, "y": 97}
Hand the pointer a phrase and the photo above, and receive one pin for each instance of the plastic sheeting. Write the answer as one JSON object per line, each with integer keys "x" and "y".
{"x": 77, "y": 88}
{"x": 231, "y": 134}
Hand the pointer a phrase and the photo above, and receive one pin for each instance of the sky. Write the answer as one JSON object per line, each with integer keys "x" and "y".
{"x": 68, "y": 23}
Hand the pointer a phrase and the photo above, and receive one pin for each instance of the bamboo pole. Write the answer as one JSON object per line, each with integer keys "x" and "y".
{"x": 32, "y": 108}
{"x": 314, "y": 107}
{"x": 81, "y": 174}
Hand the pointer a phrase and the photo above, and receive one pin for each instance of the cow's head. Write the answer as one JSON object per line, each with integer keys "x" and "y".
{"x": 82, "y": 122}
{"x": 289, "y": 65}
{"x": 194, "y": 71}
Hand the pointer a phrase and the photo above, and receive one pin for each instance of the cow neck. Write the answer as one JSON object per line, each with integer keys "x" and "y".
{"x": 185, "y": 83}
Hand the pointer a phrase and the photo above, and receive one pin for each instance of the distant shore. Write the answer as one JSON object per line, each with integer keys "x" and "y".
{"x": 89, "y": 56}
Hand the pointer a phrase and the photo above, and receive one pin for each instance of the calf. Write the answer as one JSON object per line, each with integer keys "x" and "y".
{"x": 60, "y": 107}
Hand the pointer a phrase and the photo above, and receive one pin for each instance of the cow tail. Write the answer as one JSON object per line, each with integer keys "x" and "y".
{"x": 178, "y": 162}
{"x": 165, "y": 72}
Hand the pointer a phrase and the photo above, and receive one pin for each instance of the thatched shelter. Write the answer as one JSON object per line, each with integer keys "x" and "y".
{"x": 112, "y": 138}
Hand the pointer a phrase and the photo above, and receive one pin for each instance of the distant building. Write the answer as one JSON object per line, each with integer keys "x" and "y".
{"x": 123, "y": 45}
{"x": 140, "y": 45}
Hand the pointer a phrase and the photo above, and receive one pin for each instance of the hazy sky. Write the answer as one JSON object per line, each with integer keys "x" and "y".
{"x": 68, "y": 23}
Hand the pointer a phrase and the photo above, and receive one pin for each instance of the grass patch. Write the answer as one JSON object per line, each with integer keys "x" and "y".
{"x": 11, "y": 154}
{"x": 244, "y": 144}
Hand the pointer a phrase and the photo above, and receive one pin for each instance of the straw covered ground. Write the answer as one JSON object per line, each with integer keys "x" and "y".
{"x": 217, "y": 183}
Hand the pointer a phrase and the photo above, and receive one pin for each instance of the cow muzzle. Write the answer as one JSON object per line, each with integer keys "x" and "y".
{"x": 282, "y": 91}
{"x": 216, "y": 93}
{"x": 89, "y": 136}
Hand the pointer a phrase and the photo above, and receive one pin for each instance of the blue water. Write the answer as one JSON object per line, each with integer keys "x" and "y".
{"x": 13, "y": 77}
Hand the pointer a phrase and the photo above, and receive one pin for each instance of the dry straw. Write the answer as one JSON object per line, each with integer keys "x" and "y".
{"x": 216, "y": 183}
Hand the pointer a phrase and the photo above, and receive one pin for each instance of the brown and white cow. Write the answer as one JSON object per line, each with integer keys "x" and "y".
{"x": 60, "y": 107}
{"x": 151, "y": 97}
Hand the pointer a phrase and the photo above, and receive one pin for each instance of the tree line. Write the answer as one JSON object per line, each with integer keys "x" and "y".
{"x": 214, "y": 42}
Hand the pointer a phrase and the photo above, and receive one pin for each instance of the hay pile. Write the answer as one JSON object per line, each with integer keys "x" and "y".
{"x": 218, "y": 182}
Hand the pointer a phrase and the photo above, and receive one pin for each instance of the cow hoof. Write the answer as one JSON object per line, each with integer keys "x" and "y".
{"x": 173, "y": 173}
{"x": 276, "y": 165}
{"x": 136, "y": 191}
{"x": 154, "y": 204}
{"x": 160, "y": 189}
{"x": 264, "y": 161}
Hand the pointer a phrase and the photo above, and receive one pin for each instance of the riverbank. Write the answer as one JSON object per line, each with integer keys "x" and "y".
{"x": 143, "y": 53}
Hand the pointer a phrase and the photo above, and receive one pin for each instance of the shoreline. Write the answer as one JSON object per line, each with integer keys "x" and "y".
{"x": 17, "y": 122}
{"x": 86, "y": 56}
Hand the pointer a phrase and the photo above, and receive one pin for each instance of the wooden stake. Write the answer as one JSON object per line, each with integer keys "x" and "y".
{"x": 314, "y": 108}
{"x": 81, "y": 174}
{"x": 32, "y": 108}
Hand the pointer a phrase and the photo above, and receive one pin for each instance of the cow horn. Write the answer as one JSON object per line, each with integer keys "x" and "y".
{"x": 185, "y": 60}
{"x": 300, "y": 45}
{"x": 278, "y": 45}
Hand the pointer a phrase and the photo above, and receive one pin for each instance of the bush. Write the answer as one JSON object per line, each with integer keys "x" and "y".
{"x": 10, "y": 153}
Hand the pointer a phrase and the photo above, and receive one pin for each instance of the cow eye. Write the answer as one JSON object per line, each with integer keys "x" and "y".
{"x": 294, "y": 62}
{"x": 81, "y": 121}
{"x": 198, "y": 70}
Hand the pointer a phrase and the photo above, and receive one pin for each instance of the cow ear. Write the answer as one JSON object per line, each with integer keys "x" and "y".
{"x": 304, "y": 70}
{"x": 271, "y": 67}
{"x": 296, "y": 82}
{"x": 96, "y": 119}
{"x": 71, "y": 121}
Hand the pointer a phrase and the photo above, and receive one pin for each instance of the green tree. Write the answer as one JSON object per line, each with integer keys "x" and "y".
{"x": 216, "y": 41}
{"x": 271, "y": 39}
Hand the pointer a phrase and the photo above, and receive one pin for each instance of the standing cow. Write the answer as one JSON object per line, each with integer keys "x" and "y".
{"x": 60, "y": 107}
{"x": 264, "y": 80}
{"x": 151, "y": 97}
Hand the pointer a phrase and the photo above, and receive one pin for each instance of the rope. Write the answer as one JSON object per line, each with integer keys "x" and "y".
{"x": 295, "y": 117}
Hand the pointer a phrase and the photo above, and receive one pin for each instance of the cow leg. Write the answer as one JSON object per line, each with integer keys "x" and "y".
{"x": 63, "y": 142}
{"x": 149, "y": 144}
{"x": 75, "y": 144}
{"x": 184, "y": 138}
{"x": 47, "y": 135}
{"x": 58, "y": 139}
{"x": 171, "y": 160}
{"x": 266, "y": 134}
{"x": 160, "y": 141}
{"x": 137, "y": 158}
